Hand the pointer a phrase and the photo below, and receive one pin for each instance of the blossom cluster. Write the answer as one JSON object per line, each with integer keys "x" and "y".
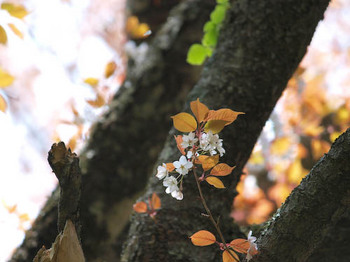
{"x": 193, "y": 144}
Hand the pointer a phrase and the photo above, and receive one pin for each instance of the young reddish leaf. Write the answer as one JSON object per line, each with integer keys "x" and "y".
{"x": 224, "y": 114}
{"x": 110, "y": 69}
{"x": 3, "y": 36}
{"x": 199, "y": 109}
{"x": 156, "y": 204}
{"x": 215, "y": 126}
{"x": 91, "y": 81}
{"x": 98, "y": 102}
{"x": 15, "y": 30}
{"x": 140, "y": 207}
{"x": 3, "y": 104}
{"x": 203, "y": 238}
{"x": 184, "y": 122}
{"x": 170, "y": 166}
{"x": 208, "y": 162}
{"x": 214, "y": 181}
{"x": 178, "y": 140}
{"x": 221, "y": 170}
{"x": 229, "y": 257}
{"x": 15, "y": 10}
{"x": 240, "y": 245}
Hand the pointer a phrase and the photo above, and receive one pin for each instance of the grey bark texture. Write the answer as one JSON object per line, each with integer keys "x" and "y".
{"x": 260, "y": 45}
{"x": 125, "y": 143}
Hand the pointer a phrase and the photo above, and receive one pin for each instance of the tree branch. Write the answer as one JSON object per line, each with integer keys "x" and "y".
{"x": 304, "y": 227}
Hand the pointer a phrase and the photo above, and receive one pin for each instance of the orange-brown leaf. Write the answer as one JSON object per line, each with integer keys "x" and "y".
{"x": 240, "y": 245}
{"x": 224, "y": 114}
{"x": 184, "y": 122}
{"x": 229, "y": 257}
{"x": 3, "y": 36}
{"x": 214, "y": 181}
{"x": 156, "y": 204}
{"x": 203, "y": 238}
{"x": 110, "y": 69}
{"x": 3, "y": 104}
{"x": 16, "y": 31}
{"x": 170, "y": 166}
{"x": 221, "y": 170}
{"x": 208, "y": 162}
{"x": 136, "y": 29}
{"x": 200, "y": 110}
{"x": 178, "y": 140}
{"x": 215, "y": 126}
{"x": 140, "y": 207}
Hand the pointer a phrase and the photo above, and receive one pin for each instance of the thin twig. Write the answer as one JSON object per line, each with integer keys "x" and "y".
{"x": 211, "y": 216}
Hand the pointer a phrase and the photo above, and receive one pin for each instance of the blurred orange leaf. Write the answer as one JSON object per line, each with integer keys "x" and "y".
{"x": 208, "y": 162}
{"x": 199, "y": 109}
{"x": 319, "y": 147}
{"x": 5, "y": 78}
{"x": 184, "y": 122}
{"x": 15, "y": 30}
{"x": 229, "y": 257}
{"x": 280, "y": 146}
{"x": 110, "y": 69}
{"x": 178, "y": 140}
{"x": 91, "y": 81}
{"x": 203, "y": 238}
{"x": 24, "y": 217}
{"x": 136, "y": 29}
{"x": 3, "y": 104}
{"x": 155, "y": 204}
{"x": 15, "y": 10}
{"x": 221, "y": 170}
{"x": 98, "y": 102}
{"x": 3, "y": 36}
{"x": 214, "y": 181}
{"x": 140, "y": 207}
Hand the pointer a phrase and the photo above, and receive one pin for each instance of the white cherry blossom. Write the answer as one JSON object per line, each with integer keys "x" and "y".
{"x": 183, "y": 166}
{"x": 189, "y": 140}
{"x": 170, "y": 183}
{"x": 177, "y": 194}
{"x": 253, "y": 249}
{"x": 162, "y": 171}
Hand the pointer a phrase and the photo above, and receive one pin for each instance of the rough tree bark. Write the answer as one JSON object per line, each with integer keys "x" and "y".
{"x": 314, "y": 222}
{"x": 260, "y": 46}
{"x": 125, "y": 143}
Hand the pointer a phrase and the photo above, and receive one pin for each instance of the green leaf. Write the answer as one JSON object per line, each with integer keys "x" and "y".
{"x": 218, "y": 15}
{"x": 210, "y": 38}
{"x": 197, "y": 54}
{"x": 209, "y": 26}
{"x": 222, "y": 1}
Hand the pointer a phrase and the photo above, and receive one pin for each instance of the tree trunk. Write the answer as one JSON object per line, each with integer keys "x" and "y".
{"x": 260, "y": 45}
{"x": 125, "y": 143}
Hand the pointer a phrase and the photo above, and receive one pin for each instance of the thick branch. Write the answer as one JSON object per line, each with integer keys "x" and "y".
{"x": 313, "y": 223}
